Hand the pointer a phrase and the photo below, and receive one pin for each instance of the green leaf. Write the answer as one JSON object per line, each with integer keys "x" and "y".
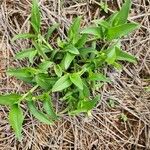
{"x": 44, "y": 81}
{"x": 85, "y": 106}
{"x": 45, "y": 65}
{"x": 112, "y": 103}
{"x": 81, "y": 42}
{"x": 60, "y": 43}
{"x": 98, "y": 77}
{"x": 9, "y": 99}
{"x": 104, "y": 6}
{"x": 117, "y": 66}
{"x": 58, "y": 70}
{"x": 67, "y": 60}
{"x": 38, "y": 114}
{"x": 121, "y": 55}
{"x": 122, "y": 16}
{"x": 102, "y": 23}
{"x": 35, "y": 16}
{"x": 24, "y": 74}
{"x": 88, "y": 104}
{"x": 85, "y": 51}
{"x": 111, "y": 55}
{"x": 63, "y": 83}
{"x": 47, "y": 45}
{"x": 86, "y": 89}
{"x": 39, "y": 48}
{"x": 76, "y": 80}
{"x": 51, "y": 30}
{"x": 123, "y": 117}
{"x": 96, "y": 31}
{"x": 147, "y": 89}
{"x": 16, "y": 120}
{"x": 121, "y": 30}
{"x": 72, "y": 49}
{"x": 73, "y": 33}
{"x": 48, "y": 107}
{"x": 27, "y": 53}
{"x": 111, "y": 18}
{"x": 23, "y": 36}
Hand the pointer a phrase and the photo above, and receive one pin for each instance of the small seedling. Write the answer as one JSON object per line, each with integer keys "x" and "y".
{"x": 74, "y": 69}
{"x": 112, "y": 103}
{"x": 147, "y": 89}
{"x": 123, "y": 117}
{"x": 104, "y": 6}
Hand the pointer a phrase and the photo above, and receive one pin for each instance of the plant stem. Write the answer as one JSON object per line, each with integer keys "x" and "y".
{"x": 93, "y": 39}
{"x": 40, "y": 51}
{"x": 26, "y": 94}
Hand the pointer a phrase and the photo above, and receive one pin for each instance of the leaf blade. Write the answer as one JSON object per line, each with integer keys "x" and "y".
{"x": 67, "y": 60}
{"x": 35, "y": 16}
{"x": 121, "y": 30}
{"x": 58, "y": 70}
{"x": 44, "y": 81}
{"x": 48, "y": 107}
{"x": 23, "y": 36}
{"x": 16, "y": 119}
{"x": 9, "y": 99}
{"x": 76, "y": 80}
{"x": 37, "y": 114}
{"x": 63, "y": 83}
{"x": 27, "y": 53}
{"x": 92, "y": 31}
{"x": 124, "y": 56}
{"x": 122, "y": 16}
{"x": 51, "y": 30}
{"x": 25, "y": 74}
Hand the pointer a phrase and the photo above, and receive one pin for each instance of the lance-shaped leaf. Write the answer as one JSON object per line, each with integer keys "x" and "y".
{"x": 51, "y": 30}
{"x": 122, "y": 15}
{"x": 63, "y": 83}
{"x": 72, "y": 49}
{"x": 84, "y": 106}
{"x": 23, "y": 36}
{"x": 76, "y": 80}
{"x": 98, "y": 77}
{"x": 121, "y": 30}
{"x": 67, "y": 60}
{"x": 58, "y": 70}
{"x": 35, "y": 16}
{"x": 25, "y": 74}
{"x": 73, "y": 33}
{"x": 121, "y": 55}
{"x": 44, "y": 81}
{"x": 9, "y": 99}
{"x": 45, "y": 65}
{"x": 48, "y": 107}
{"x": 111, "y": 55}
{"x": 96, "y": 31}
{"x": 81, "y": 42}
{"x": 38, "y": 114}
{"x": 27, "y": 53}
{"x": 16, "y": 119}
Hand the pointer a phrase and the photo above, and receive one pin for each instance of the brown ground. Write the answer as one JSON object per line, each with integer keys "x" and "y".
{"x": 104, "y": 130}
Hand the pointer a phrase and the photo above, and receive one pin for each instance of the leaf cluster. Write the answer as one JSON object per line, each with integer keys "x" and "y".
{"x": 75, "y": 69}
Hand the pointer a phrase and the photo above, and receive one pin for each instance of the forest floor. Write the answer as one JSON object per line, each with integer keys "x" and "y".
{"x": 128, "y": 96}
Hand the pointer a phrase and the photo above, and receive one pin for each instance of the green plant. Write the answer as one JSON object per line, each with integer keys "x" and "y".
{"x": 104, "y": 6}
{"x": 74, "y": 69}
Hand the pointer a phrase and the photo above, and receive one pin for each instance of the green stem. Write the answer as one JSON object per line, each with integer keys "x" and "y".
{"x": 47, "y": 44}
{"x": 93, "y": 39}
{"x": 26, "y": 94}
{"x": 40, "y": 51}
